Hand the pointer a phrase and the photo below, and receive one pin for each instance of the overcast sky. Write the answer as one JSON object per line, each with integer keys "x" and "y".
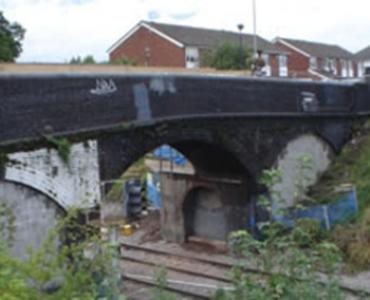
{"x": 60, "y": 29}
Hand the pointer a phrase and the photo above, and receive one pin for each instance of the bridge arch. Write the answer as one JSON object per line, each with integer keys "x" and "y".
{"x": 318, "y": 153}
{"x": 35, "y": 214}
{"x": 208, "y": 151}
{"x": 42, "y": 183}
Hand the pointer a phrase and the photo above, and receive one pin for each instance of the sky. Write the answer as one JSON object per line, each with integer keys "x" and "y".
{"x": 57, "y": 30}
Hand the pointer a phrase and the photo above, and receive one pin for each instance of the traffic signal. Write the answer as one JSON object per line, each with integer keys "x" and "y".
{"x": 132, "y": 200}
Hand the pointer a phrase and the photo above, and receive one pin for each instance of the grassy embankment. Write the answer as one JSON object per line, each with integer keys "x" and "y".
{"x": 351, "y": 166}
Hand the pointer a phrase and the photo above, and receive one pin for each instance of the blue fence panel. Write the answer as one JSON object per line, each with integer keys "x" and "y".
{"x": 318, "y": 213}
{"x": 344, "y": 209}
{"x": 327, "y": 215}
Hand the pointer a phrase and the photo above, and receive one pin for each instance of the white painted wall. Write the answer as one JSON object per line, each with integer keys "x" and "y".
{"x": 287, "y": 164}
{"x": 74, "y": 185}
{"x": 35, "y": 216}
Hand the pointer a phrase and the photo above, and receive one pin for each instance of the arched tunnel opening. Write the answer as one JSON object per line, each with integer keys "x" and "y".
{"x": 199, "y": 188}
{"x": 204, "y": 214}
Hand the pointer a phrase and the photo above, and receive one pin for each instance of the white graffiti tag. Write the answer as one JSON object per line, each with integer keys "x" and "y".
{"x": 104, "y": 87}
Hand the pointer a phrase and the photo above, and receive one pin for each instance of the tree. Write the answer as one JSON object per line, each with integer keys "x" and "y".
{"x": 11, "y": 36}
{"x": 228, "y": 57}
{"x": 88, "y": 59}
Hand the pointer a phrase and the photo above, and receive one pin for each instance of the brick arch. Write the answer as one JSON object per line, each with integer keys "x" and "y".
{"x": 202, "y": 146}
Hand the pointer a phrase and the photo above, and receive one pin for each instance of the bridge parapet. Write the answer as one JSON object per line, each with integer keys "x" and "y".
{"x": 67, "y": 104}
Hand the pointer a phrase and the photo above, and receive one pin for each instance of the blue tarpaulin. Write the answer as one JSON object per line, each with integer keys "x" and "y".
{"x": 169, "y": 153}
{"x": 153, "y": 192}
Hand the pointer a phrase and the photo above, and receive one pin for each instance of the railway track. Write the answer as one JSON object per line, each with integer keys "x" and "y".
{"x": 189, "y": 276}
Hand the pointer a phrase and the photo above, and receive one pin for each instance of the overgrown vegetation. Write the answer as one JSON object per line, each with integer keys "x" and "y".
{"x": 80, "y": 268}
{"x": 159, "y": 292}
{"x": 136, "y": 170}
{"x": 228, "y": 57}
{"x": 351, "y": 166}
{"x": 354, "y": 241}
{"x": 7, "y": 227}
{"x": 3, "y": 159}
{"x": 63, "y": 147}
{"x": 288, "y": 258}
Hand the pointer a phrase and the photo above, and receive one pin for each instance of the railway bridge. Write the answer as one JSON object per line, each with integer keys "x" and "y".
{"x": 229, "y": 127}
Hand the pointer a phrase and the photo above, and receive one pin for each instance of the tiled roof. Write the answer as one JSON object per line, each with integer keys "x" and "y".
{"x": 319, "y": 49}
{"x": 210, "y": 38}
{"x": 363, "y": 54}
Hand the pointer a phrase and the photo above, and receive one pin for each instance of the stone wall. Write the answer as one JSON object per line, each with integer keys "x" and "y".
{"x": 75, "y": 183}
{"x": 35, "y": 215}
{"x": 227, "y": 212}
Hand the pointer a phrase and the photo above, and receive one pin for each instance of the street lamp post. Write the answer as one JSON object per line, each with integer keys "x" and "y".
{"x": 240, "y": 27}
{"x": 254, "y": 29}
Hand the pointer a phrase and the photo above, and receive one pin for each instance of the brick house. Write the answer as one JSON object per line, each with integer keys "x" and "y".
{"x": 363, "y": 61}
{"x": 166, "y": 45}
{"x": 317, "y": 60}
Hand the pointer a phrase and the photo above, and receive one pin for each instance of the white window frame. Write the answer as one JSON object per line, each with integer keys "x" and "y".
{"x": 344, "y": 68}
{"x": 283, "y": 65}
{"x": 333, "y": 66}
{"x": 267, "y": 67}
{"x": 191, "y": 57}
{"x": 313, "y": 62}
{"x": 350, "y": 69}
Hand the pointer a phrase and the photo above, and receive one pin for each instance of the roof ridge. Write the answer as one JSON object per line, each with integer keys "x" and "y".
{"x": 202, "y": 28}
{"x": 310, "y": 42}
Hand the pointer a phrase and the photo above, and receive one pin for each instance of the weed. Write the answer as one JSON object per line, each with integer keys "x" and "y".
{"x": 63, "y": 147}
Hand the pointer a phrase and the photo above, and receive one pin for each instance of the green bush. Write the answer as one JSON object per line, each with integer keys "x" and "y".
{"x": 228, "y": 57}
{"x": 80, "y": 268}
{"x": 288, "y": 259}
{"x": 306, "y": 232}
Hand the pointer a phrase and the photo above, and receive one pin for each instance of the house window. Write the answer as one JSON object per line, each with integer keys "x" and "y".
{"x": 333, "y": 66}
{"x": 326, "y": 64}
{"x": 350, "y": 69}
{"x": 360, "y": 69}
{"x": 267, "y": 68}
{"x": 192, "y": 57}
{"x": 313, "y": 62}
{"x": 344, "y": 67}
{"x": 283, "y": 65}
{"x": 283, "y": 60}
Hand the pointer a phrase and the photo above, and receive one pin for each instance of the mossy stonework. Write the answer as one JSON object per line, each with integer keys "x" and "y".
{"x": 75, "y": 184}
